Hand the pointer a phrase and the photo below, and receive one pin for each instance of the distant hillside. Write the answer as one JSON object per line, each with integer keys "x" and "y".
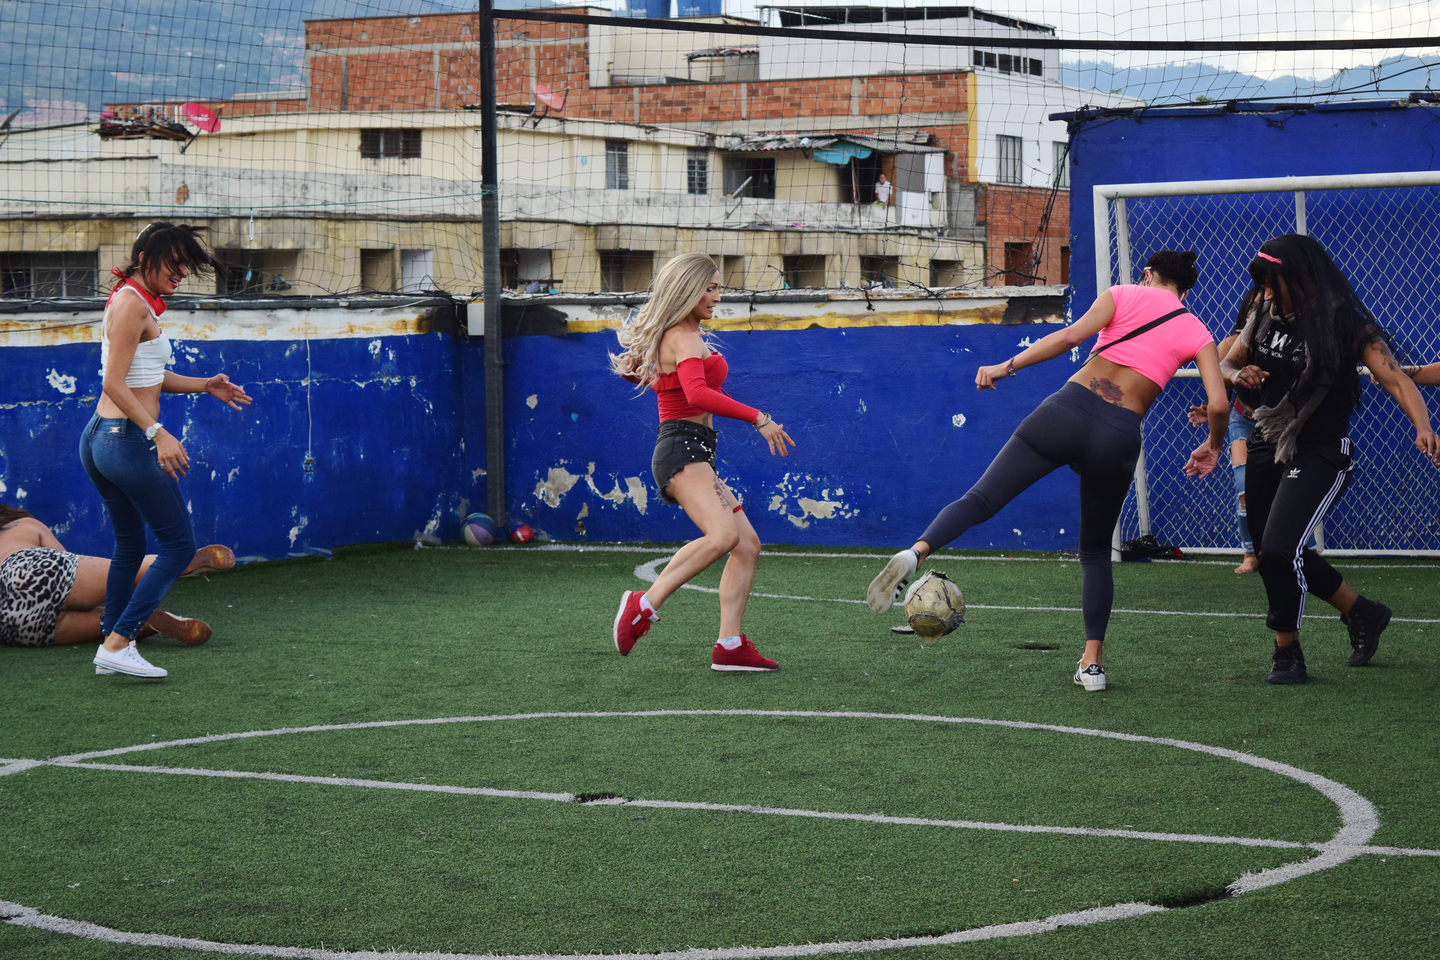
{"x": 61, "y": 59}
{"x": 1200, "y": 82}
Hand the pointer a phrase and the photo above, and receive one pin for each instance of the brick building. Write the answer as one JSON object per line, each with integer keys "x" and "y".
{"x": 665, "y": 142}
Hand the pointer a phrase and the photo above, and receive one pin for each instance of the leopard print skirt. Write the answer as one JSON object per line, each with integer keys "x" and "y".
{"x": 34, "y": 584}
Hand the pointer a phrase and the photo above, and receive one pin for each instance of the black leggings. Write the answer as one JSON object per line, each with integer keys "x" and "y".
{"x": 1284, "y": 502}
{"x": 1073, "y": 428}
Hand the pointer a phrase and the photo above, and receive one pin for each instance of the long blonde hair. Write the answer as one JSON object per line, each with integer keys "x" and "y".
{"x": 676, "y": 291}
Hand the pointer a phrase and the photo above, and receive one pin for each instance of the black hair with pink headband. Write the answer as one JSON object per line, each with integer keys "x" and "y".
{"x": 1327, "y": 313}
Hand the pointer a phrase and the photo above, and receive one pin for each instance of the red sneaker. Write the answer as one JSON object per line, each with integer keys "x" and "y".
{"x": 631, "y": 623}
{"x": 743, "y": 658}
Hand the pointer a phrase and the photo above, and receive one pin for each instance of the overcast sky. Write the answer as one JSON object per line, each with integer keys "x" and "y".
{"x": 1214, "y": 20}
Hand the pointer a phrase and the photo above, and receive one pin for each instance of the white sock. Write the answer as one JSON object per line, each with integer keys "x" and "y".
{"x": 648, "y": 610}
{"x": 729, "y": 643}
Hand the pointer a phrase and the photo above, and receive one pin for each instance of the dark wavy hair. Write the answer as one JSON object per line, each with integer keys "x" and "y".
{"x": 163, "y": 244}
{"x": 1176, "y": 267}
{"x": 9, "y": 514}
{"x": 1328, "y": 314}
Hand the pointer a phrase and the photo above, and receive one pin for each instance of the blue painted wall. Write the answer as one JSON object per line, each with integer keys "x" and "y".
{"x": 1213, "y": 144}
{"x": 383, "y": 417}
{"x": 873, "y": 412}
{"x": 396, "y": 429}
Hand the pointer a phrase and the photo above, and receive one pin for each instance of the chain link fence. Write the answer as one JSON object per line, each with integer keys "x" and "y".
{"x": 1382, "y": 230}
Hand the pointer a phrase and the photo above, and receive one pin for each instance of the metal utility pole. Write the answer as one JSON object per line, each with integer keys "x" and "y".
{"x": 490, "y": 246}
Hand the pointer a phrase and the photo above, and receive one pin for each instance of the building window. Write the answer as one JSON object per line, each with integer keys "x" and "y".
{"x": 697, "y": 171}
{"x": 947, "y": 273}
{"x": 1061, "y": 177}
{"x": 804, "y": 271}
{"x": 617, "y": 165}
{"x": 375, "y": 144}
{"x": 526, "y": 271}
{"x": 377, "y": 270}
{"x": 747, "y": 176}
{"x": 984, "y": 58}
{"x": 1011, "y": 154}
{"x": 417, "y": 271}
{"x": 1065, "y": 265}
{"x": 879, "y": 271}
{"x": 1005, "y": 63}
{"x": 45, "y": 275}
{"x": 1037, "y": 68}
{"x": 623, "y": 271}
{"x": 732, "y": 272}
{"x": 1018, "y": 265}
{"x": 249, "y": 272}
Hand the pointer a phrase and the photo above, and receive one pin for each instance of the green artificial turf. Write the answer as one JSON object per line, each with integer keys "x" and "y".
{"x": 387, "y": 634}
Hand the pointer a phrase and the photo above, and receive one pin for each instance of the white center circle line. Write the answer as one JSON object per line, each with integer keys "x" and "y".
{"x": 1359, "y": 823}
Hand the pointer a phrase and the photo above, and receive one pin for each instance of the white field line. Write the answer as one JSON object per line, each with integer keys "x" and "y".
{"x": 1359, "y": 823}
{"x": 773, "y": 553}
{"x": 703, "y": 806}
{"x": 27, "y": 917}
{"x": 648, "y": 573}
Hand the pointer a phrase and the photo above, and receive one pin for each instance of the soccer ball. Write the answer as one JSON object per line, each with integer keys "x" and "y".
{"x": 934, "y": 606}
{"x": 478, "y": 530}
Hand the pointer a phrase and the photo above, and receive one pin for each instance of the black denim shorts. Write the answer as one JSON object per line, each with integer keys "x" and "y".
{"x": 678, "y": 444}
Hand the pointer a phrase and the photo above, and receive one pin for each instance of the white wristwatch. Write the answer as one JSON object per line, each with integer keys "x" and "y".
{"x": 151, "y": 430}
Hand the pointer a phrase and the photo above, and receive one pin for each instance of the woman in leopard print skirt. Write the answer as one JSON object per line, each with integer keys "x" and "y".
{"x": 49, "y": 597}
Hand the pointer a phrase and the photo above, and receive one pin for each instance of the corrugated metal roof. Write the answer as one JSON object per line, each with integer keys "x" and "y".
{"x": 820, "y": 141}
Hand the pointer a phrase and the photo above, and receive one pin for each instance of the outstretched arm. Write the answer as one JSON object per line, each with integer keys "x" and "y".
{"x": 1385, "y": 369}
{"x": 218, "y": 386}
{"x": 1101, "y": 312}
{"x": 1207, "y": 456}
{"x": 1426, "y": 376}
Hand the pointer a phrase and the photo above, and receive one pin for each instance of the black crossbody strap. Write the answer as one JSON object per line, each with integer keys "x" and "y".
{"x": 1135, "y": 333}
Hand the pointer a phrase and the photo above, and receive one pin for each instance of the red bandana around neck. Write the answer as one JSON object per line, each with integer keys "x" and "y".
{"x": 155, "y": 303}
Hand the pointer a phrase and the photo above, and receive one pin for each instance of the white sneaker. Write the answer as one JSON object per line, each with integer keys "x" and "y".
{"x": 127, "y": 661}
{"x": 885, "y": 589}
{"x": 103, "y": 671}
{"x": 1092, "y": 678}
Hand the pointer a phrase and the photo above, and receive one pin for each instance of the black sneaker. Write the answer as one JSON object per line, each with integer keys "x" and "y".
{"x": 1366, "y": 621}
{"x": 1287, "y": 665}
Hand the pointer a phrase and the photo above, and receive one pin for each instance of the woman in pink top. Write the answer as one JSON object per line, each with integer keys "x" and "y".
{"x": 1091, "y": 425}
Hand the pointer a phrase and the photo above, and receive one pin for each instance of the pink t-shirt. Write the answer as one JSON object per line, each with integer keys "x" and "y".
{"x": 1155, "y": 354}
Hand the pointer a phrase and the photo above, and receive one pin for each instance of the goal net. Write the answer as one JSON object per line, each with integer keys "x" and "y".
{"x": 1381, "y": 229}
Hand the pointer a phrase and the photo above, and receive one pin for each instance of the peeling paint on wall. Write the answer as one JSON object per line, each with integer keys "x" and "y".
{"x": 295, "y": 530}
{"x": 532, "y": 400}
{"x": 958, "y": 420}
{"x": 555, "y": 486}
{"x": 62, "y": 382}
{"x": 799, "y": 509}
{"x": 638, "y": 493}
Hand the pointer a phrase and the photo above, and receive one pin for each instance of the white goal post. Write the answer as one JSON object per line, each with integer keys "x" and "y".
{"x": 1383, "y": 230}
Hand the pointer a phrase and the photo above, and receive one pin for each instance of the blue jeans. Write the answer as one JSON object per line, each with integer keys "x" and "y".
{"x": 123, "y": 466}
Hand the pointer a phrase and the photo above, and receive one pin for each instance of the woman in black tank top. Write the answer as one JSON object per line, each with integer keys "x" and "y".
{"x": 1295, "y": 364}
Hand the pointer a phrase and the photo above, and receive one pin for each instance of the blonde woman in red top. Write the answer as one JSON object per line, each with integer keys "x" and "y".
{"x": 665, "y": 349}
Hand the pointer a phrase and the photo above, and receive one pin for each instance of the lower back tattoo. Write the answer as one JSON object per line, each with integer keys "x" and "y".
{"x": 1108, "y": 391}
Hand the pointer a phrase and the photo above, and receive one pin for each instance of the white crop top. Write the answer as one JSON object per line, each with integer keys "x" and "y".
{"x": 147, "y": 368}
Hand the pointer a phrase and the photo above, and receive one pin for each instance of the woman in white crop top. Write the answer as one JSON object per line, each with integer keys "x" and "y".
{"x": 133, "y": 461}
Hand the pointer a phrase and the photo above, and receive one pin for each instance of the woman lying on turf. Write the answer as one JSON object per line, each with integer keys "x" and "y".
{"x": 49, "y": 597}
{"x": 665, "y": 350}
{"x": 1092, "y": 425}
{"x": 1295, "y": 366}
{"x": 132, "y": 460}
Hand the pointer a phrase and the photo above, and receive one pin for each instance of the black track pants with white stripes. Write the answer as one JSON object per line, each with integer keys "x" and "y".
{"x": 1285, "y": 501}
